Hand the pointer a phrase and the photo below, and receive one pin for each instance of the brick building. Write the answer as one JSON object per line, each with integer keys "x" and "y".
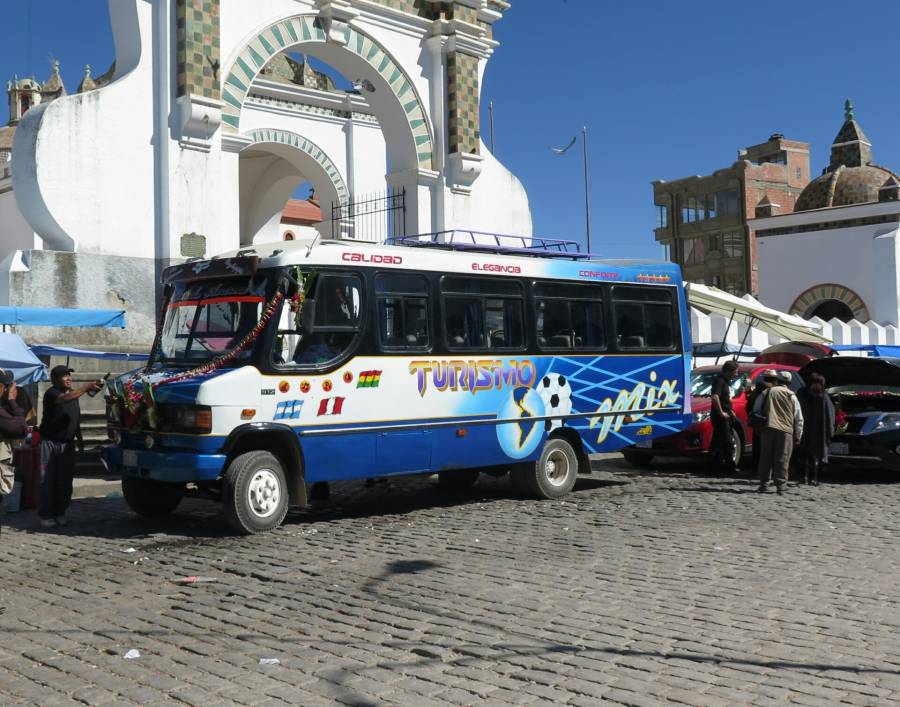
{"x": 702, "y": 220}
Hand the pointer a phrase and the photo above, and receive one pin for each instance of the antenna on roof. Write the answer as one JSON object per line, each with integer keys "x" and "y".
{"x": 312, "y": 243}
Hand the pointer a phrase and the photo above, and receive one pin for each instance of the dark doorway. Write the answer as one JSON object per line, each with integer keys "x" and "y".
{"x": 832, "y": 309}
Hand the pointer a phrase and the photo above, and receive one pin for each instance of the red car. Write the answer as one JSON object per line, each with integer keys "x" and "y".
{"x": 695, "y": 440}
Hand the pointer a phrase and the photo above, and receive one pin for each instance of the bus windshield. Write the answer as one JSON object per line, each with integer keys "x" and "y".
{"x": 207, "y": 319}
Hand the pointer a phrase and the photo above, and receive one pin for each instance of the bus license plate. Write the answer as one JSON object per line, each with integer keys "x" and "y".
{"x": 130, "y": 458}
{"x": 644, "y": 444}
{"x": 839, "y": 448}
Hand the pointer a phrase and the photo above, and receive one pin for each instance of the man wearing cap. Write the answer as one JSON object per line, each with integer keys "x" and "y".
{"x": 12, "y": 419}
{"x": 783, "y": 429}
{"x": 60, "y": 426}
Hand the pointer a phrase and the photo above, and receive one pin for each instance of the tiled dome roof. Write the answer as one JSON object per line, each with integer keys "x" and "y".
{"x": 850, "y": 178}
{"x": 843, "y": 186}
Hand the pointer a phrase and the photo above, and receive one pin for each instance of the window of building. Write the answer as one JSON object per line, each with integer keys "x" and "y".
{"x": 569, "y": 317}
{"x": 727, "y": 202}
{"x": 711, "y": 210}
{"x": 734, "y": 284}
{"x": 644, "y": 318}
{"x": 402, "y": 311}
{"x": 483, "y": 314}
{"x": 799, "y": 173}
{"x": 662, "y": 216}
{"x": 733, "y": 244}
{"x": 288, "y": 236}
{"x": 694, "y": 251}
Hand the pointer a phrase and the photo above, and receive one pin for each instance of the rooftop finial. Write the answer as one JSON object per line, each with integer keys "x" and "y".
{"x": 87, "y": 71}
{"x": 848, "y": 110}
{"x": 56, "y": 66}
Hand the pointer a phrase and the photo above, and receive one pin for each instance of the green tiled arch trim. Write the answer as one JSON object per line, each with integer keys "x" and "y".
{"x": 285, "y": 137}
{"x": 307, "y": 28}
{"x": 820, "y": 293}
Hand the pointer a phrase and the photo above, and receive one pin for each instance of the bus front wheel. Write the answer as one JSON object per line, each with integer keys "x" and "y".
{"x": 150, "y": 499}
{"x": 254, "y": 493}
{"x": 553, "y": 475}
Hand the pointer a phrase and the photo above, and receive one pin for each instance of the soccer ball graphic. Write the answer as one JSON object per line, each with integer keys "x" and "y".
{"x": 556, "y": 393}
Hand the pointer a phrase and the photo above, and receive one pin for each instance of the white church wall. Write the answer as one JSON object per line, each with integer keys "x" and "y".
{"x": 88, "y": 181}
{"x": 15, "y": 232}
{"x": 845, "y": 256}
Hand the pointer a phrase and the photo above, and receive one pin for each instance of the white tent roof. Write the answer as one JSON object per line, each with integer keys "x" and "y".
{"x": 747, "y": 311}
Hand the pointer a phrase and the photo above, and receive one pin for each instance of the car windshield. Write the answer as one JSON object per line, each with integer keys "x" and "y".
{"x": 207, "y": 319}
{"x": 702, "y": 381}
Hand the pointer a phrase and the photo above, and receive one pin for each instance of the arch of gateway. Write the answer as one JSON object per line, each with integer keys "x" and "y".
{"x": 213, "y": 118}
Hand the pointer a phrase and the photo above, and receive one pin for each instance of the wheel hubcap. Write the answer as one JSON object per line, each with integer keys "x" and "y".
{"x": 556, "y": 468}
{"x": 264, "y": 493}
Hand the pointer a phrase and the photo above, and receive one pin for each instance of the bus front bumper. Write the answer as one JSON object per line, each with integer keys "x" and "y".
{"x": 171, "y": 467}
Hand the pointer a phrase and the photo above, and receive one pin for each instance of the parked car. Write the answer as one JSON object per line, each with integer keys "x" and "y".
{"x": 695, "y": 440}
{"x": 866, "y": 396}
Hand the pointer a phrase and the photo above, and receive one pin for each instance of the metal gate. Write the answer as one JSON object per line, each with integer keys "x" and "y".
{"x": 375, "y": 217}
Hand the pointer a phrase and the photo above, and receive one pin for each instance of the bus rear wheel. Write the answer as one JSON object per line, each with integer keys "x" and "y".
{"x": 552, "y": 476}
{"x": 457, "y": 479}
{"x": 150, "y": 499}
{"x": 254, "y": 493}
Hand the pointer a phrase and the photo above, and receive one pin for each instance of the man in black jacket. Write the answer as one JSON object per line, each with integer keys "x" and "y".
{"x": 12, "y": 419}
{"x": 60, "y": 425}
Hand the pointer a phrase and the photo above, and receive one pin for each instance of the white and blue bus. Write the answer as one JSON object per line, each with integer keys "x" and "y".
{"x": 291, "y": 364}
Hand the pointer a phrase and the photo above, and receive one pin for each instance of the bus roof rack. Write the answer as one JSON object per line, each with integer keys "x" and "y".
{"x": 502, "y": 244}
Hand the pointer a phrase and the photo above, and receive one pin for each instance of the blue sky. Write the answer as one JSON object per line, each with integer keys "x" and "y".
{"x": 665, "y": 89}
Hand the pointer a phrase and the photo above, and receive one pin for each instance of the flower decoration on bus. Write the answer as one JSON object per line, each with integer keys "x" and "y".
{"x": 348, "y": 377}
{"x": 326, "y": 385}
{"x": 304, "y": 386}
{"x": 284, "y": 387}
{"x": 472, "y": 376}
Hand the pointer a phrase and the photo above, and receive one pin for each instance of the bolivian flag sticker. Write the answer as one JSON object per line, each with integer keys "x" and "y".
{"x": 368, "y": 379}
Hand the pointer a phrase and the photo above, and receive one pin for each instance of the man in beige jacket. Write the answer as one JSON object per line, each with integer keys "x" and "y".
{"x": 784, "y": 427}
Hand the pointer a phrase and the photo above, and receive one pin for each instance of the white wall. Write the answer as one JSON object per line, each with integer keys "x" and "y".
{"x": 791, "y": 264}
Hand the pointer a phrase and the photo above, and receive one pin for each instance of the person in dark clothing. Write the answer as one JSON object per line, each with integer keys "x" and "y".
{"x": 12, "y": 419}
{"x": 818, "y": 427}
{"x": 60, "y": 425}
{"x": 721, "y": 447}
{"x": 763, "y": 383}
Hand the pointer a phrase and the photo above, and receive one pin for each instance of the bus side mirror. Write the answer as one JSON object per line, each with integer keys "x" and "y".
{"x": 308, "y": 316}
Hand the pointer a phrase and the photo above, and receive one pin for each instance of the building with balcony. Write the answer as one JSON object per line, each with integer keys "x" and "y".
{"x": 702, "y": 220}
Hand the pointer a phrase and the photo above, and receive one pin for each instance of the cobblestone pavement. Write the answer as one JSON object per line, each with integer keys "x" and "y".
{"x": 641, "y": 588}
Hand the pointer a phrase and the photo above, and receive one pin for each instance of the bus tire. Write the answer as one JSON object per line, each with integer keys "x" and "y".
{"x": 151, "y": 499}
{"x": 554, "y": 473}
{"x": 255, "y": 493}
{"x": 457, "y": 479}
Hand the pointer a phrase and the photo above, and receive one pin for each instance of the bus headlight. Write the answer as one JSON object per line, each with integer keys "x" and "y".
{"x": 196, "y": 419}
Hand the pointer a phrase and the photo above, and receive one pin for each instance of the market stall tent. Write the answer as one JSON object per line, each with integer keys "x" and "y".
{"x": 15, "y": 356}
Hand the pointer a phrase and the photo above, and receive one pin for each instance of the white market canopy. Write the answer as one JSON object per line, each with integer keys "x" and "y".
{"x": 749, "y": 312}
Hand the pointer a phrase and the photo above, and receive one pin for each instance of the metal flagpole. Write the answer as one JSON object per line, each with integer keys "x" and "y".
{"x": 587, "y": 198}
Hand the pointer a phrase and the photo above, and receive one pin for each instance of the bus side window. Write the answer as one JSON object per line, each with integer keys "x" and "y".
{"x": 338, "y": 303}
{"x": 483, "y": 313}
{"x": 569, "y": 316}
{"x": 644, "y": 318}
{"x": 402, "y": 311}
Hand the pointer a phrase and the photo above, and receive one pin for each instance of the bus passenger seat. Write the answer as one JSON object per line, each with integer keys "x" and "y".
{"x": 561, "y": 340}
{"x": 632, "y": 342}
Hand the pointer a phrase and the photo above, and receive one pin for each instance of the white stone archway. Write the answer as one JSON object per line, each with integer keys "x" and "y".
{"x": 273, "y": 163}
